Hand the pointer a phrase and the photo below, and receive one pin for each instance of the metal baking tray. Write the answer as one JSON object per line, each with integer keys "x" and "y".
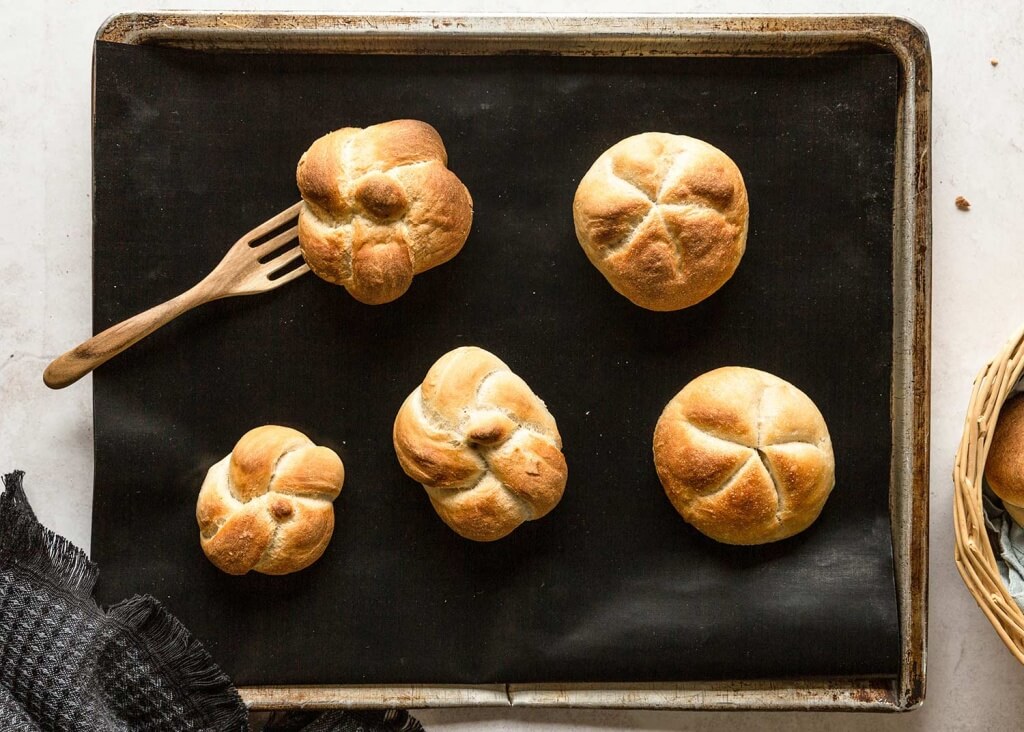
{"x": 664, "y": 36}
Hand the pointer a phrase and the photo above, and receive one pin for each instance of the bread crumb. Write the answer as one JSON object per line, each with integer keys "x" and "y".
{"x": 994, "y": 61}
{"x": 963, "y": 204}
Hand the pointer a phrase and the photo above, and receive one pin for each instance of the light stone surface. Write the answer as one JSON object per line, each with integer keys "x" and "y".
{"x": 45, "y": 62}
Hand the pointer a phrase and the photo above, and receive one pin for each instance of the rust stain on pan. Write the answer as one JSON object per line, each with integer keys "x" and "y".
{"x": 871, "y": 696}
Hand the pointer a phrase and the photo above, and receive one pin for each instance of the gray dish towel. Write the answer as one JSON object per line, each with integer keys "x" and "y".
{"x": 66, "y": 664}
{"x": 1009, "y": 553}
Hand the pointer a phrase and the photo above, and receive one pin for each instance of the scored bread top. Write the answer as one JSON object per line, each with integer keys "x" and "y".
{"x": 664, "y": 218}
{"x": 744, "y": 456}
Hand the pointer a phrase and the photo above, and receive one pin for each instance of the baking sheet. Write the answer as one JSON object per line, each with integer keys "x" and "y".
{"x": 192, "y": 149}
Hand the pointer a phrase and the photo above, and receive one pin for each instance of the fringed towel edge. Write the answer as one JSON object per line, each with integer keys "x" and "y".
{"x": 183, "y": 660}
{"x": 397, "y": 720}
{"x": 30, "y": 545}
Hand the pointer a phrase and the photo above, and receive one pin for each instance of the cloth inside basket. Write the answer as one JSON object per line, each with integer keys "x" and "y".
{"x": 1010, "y": 552}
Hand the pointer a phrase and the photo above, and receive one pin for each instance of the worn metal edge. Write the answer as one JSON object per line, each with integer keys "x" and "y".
{"x": 650, "y": 34}
{"x": 412, "y": 696}
{"x": 864, "y": 694}
{"x": 909, "y": 493}
{"x": 874, "y": 695}
{"x": 711, "y": 35}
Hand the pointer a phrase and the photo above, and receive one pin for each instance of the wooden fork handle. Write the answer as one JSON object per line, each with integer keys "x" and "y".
{"x": 81, "y": 360}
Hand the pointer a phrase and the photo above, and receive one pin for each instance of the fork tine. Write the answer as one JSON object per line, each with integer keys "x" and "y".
{"x": 285, "y": 278}
{"x": 280, "y": 240}
{"x": 270, "y": 224}
{"x": 281, "y": 261}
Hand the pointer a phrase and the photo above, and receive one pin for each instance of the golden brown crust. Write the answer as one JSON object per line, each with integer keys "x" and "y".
{"x": 381, "y": 264}
{"x": 1004, "y": 469}
{"x": 268, "y": 505}
{"x": 533, "y": 469}
{"x": 487, "y": 513}
{"x": 664, "y": 218}
{"x": 320, "y": 168}
{"x": 482, "y": 444}
{"x": 380, "y": 206}
{"x": 255, "y": 457}
{"x": 744, "y": 456}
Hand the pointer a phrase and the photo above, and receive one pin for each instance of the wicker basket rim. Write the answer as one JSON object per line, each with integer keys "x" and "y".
{"x": 973, "y": 552}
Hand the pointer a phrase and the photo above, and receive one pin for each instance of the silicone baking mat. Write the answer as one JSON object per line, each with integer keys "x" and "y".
{"x": 191, "y": 149}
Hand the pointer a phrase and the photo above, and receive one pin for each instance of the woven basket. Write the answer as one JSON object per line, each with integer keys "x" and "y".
{"x": 973, "y": 553}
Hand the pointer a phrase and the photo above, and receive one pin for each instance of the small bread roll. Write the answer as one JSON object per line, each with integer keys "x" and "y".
{"x": 482, "y": 444}
{"x": 664, "y": 219}
{"x": 744, "y": 456}
{"x": 380, "y": 207}
{"x": 268, "y": 505}
{"x": 1004, "y": 469}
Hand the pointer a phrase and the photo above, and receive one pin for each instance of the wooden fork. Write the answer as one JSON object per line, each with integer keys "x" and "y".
{"x": 246, "y": 269}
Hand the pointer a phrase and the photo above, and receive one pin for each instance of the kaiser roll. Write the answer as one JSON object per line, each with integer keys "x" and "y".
{"x": 744, "y": 456}
{"x": 380, "y": 206}
{"x": 1004, "y": 469}
{"x": 483, "y": 445}
{"x": 268, "y": 505}
{"x": 664, "y": 219}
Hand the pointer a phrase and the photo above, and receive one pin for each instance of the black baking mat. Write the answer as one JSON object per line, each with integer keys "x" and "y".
{"x": 193, "y": 149}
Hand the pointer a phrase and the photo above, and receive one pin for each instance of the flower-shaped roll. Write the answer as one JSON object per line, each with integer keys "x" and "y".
{"x": 380, "y": 206}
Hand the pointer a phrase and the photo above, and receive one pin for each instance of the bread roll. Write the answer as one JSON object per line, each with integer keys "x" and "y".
{"x": 268, "y": 505}
{"x": 482, "y": 444}
{"x": 664, "y": 219}
{"x": 380, "y": 206}
{"x": 1004, "y": 469}
{"x": 744, "y": 456}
